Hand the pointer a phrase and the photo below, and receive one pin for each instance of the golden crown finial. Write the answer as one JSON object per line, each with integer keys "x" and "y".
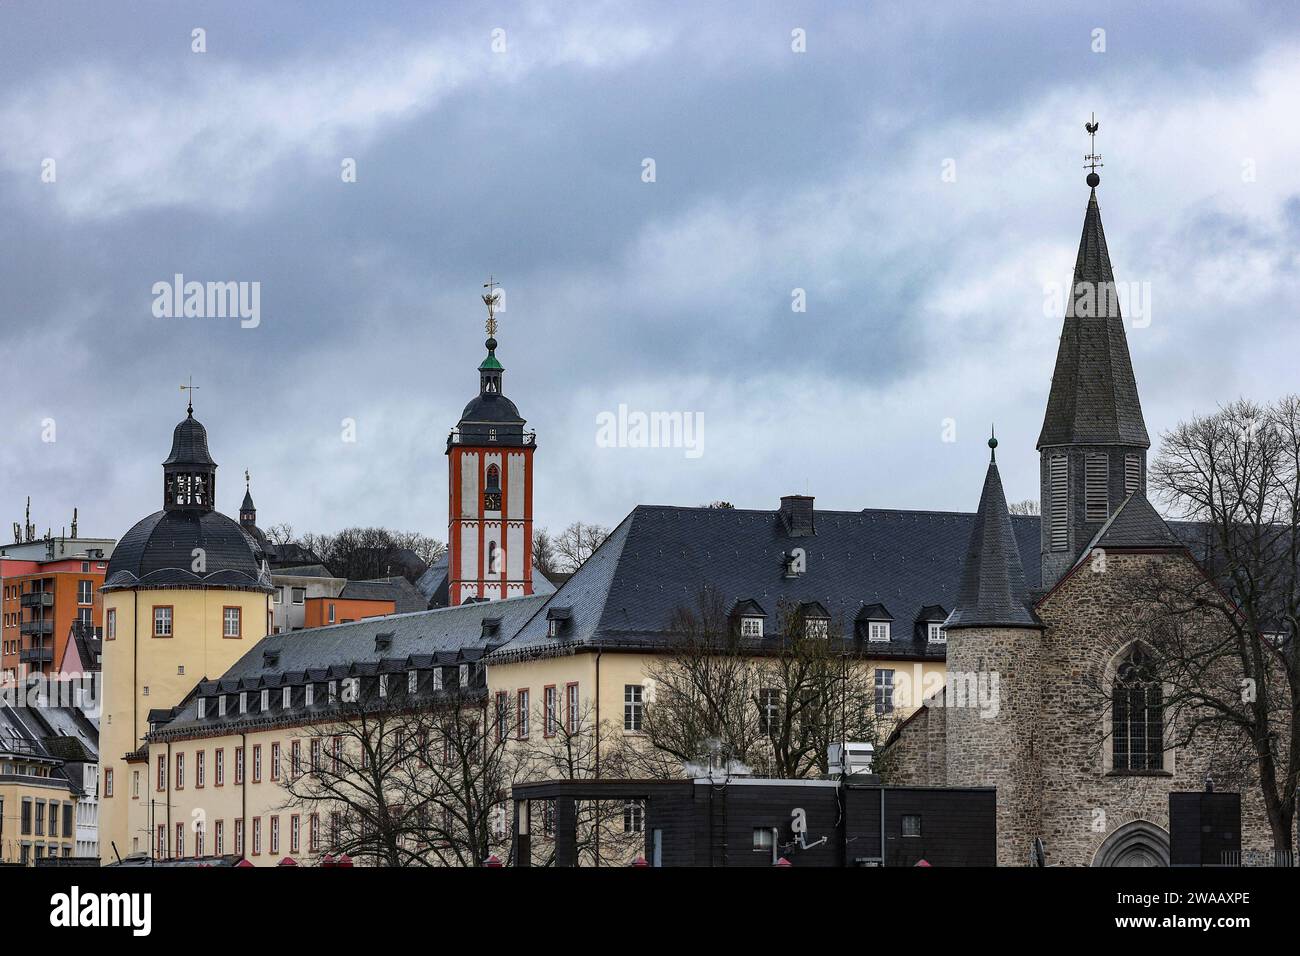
{"x": 490, "y": 299}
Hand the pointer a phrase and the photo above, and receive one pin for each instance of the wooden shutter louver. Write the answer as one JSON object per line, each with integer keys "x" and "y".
{"x": 1059, "y": 499}
{"x": 1096, "y": 492}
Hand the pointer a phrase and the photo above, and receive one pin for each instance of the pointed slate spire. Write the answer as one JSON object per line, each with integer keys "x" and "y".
{"x": 1094, "y": 397}
{"x": 992, "y": 591}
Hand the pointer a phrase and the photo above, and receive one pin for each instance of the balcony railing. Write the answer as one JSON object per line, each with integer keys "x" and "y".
{"x": 37, "y": 599}
{"x": 36, "y": 655}
{"x": 36, "y": 627}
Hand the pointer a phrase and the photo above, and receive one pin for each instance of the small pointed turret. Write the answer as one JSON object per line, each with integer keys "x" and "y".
{"x": 992, "y": 591}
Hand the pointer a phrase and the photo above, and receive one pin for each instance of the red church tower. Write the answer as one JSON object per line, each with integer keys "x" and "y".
{"x": 490, "y": 485}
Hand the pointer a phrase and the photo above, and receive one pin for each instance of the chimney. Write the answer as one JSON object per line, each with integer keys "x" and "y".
{"x": 797, "y": 515}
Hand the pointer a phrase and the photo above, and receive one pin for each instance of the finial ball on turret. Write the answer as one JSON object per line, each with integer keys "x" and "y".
{"x": 993, "y": 443}
{"x": 491, "y": 344}
{"x": 1093, "y": 180}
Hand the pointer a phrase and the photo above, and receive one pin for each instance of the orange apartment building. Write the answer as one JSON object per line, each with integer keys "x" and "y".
{"x": 39, "y": 601}
{"x": 320, "y": 611}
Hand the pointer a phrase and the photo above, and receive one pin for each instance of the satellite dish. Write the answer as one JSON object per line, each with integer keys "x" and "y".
{"x": 1040, "y": 852}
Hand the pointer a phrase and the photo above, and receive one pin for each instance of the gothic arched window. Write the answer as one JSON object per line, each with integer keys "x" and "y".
{"x": 1137, "y": 715}
{"x": 492, "y": 491}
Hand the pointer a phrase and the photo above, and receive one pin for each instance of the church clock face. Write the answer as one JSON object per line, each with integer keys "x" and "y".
{"x": 492, "y": 501}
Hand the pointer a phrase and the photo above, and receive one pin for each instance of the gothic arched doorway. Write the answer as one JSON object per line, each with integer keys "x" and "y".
{"x": 1135, "y": 844}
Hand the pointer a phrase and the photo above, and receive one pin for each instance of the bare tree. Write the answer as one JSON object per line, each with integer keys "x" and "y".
{"x": 773, "y": 703}
{"x": 545, "y": 558}
{"x": 1028, "y": 506}
{"x": 281, "y": 533}
{"x": 364, "y": 553}
{"x": 408, "y": 779}
{"x": 575, "y": 544}
{"x": 1219, "y": 647}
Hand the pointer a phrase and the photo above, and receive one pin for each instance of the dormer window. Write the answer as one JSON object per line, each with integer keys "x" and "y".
{"x": 309, "y": 694}
{"x": 936, "y": 634}
{"x": 751, "y": 627}
{"x": 286, "y": 698}
{"x": 243, "y": 701}
{"x": 816, "y": 620}
{"x": 878, "y": 631}
{"x": 557, "y": 621}
{"x": 492, "y": 434}
{"x": 816, "y": 628}
{"x": 266, "y": 700}
{"x": 221, "y": 706}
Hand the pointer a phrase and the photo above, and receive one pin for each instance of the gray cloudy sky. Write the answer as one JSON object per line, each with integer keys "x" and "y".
{"x": 775, "y": 171}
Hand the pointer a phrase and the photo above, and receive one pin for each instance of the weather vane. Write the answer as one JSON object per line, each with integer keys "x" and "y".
{"x": 246, "y": 479}
{"x": 190, "y": 388}
{"x": 1092, "y": 161}
{"x": 490, "y": 299}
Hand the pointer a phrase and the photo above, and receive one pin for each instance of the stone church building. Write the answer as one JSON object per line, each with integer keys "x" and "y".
{"x": 1092, "y": 783}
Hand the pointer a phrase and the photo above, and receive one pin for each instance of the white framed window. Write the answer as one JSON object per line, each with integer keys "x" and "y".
{"x": 769, "y": 707}
{"x": 633, "y": 706}
{"x": 266, "y": 699}
{"x": 299, "y": 595}
{"x": 463, "y": 674}
{"x": 243, "y": 701}
{"x": 286, "y": 698}
{"x": 878, "y": 631}
{"x": 936, "y": 634}
{"x": 751, "y": 627}
{"x": 412, "y": 682}
{"x": 884, "y": 691}
{"x": 571, "y": 707}
{"x": 162, "y": 622}
{"x": 221, "y": 706}
{"x": 309, "y": 694}
{"x": 633, "y": 816}
{"x": 383, "y": 685}
{"x": 85, "y": 591}
{"x": 331, "y": 612}
{"x": 553, "y": 627}
{"x": 437, "y": 678}
{"x": 279, "y": 596}
{"x": 551, "y": 706}
{"x": 230, "y": 622}
{"x": 522, "y": 718}
{"x": 817, "y": 627}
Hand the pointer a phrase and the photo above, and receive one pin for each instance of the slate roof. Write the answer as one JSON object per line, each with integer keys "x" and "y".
{"x": 1135, "y": 524}
{"x": 992, "y": 591}
{"x": 405, "y": 595}
{"x": 306, "y": 571}
{"x": 433, "y": 583}
{"x": 190, "y": 444}
{"x": 367, "y": 591}
{"x": 659, "y": 557}
{"x": 1094, "y": 396}
{"x": 159, "y": 551}
{"x": 394, "y": 643}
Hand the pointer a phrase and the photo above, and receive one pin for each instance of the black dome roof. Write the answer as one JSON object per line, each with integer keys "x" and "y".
{"x": 158, "y": 551}
{"x": 491, "y": 408}
{"x": 190, "y": 444}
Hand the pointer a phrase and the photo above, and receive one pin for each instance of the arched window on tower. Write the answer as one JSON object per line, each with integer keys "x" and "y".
{"x": 1137, "y": 715}
{"x": 492, "y": 489}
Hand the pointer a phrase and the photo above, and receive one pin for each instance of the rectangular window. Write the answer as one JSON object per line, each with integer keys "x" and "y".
{"x": 1132, "y": 474}
{"x": 1058, "y": 499}
{"x": 257, "y": 836}
{"x": 936, "y": 634}
{"x": 180, "y": 840}
{"x": 1096, "y": 487}
{"x": 633, "y": 706}
{"x": 162, "y": 773}
{"x": 764, "y": 839}
{"x": 266, "y": 700}
{"x": 295, "y": 838}
{"x": 315, "y": 755}
{"x": 162, "y": 621}
{"x": 299, "y": 595}
{"x": 522, "y": 712}
{"x": 257, "y": 763}
{"x": 769, "y": 710}
{"x": 230, "y": 622}
{"x": 383, "y": 685}
{"x": 278, "y": 598}
{"x": 878, "y": 631}
{"x": 239, "y": 766}
{"x": 219, "y": 767}
{"x": 336, "y": 827}
{"x": 331, "y": 612}
{"x": 286, "y": 698}
{"x": 633, "y": 816}
{"x": 135, "y": 784}
{"x": 911, "y": 824}
{"x": 239, "y": 837}
{"x": 816, "y": 628}
{"x": 884, "y": 691}
{"x": 110, "y": 624}
{"x": 275, "y": 760}
{"x": 200, "y": 769}
{"x": 503, "y": 714}
{"x": 180, "y": 771}
{"x": 161, "y": 851}
{"x": 275, "y": 834}
{"x": 412, "y": 681}
{"x": 295, "y": 759}
{"x": 751, "y": 627}
{"x": 551, "y": 706}
{"x": 85, "y": 592}
{"x": 108, "y": 782}
{"x": 219, "y": 837}
{"x": 198, "y": 838}
{"x": 313, "y": 833}
{"x": 571, "y": 707}
{"x": 336, "y": 756}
